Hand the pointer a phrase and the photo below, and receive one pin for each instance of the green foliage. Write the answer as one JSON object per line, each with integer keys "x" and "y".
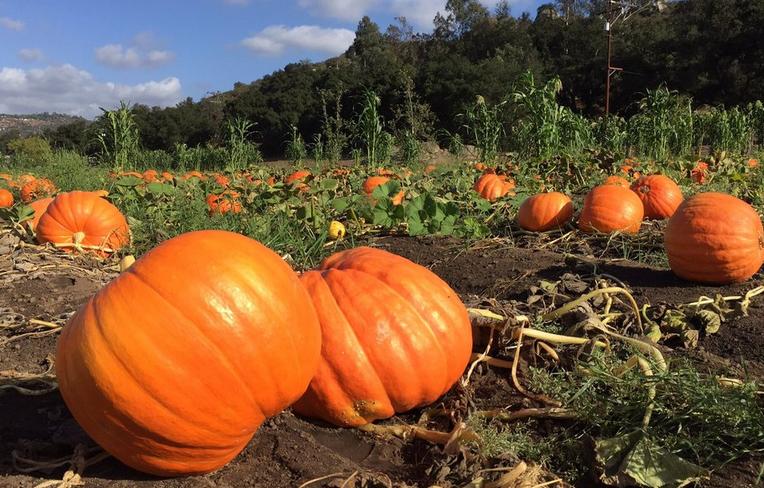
{"x": 30, "y": 151}
{"x": 370, "y": 129}
{"x": 664, "y": 125}
{"x": 70, "y": 171}
{"x": 483, "y": 124}
{"x": 119, "y": 139}
{"x": 241, "y": 152}
{"x": 296, "y": 150}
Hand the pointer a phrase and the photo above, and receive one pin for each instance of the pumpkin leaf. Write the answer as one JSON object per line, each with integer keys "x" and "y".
{"x": 636, "y": 460}
{"x": 710, "y": 321}
{"x": 128, "y": 181}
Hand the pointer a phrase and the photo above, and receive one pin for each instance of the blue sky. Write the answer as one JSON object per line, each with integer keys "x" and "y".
{"x": 72, "y": 56}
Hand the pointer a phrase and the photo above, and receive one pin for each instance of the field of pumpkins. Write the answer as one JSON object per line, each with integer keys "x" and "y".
{"x": 573, "y": 323}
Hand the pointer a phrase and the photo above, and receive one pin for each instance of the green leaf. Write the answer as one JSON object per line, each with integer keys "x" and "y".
{"x": 341, "y": 204}
{"x": 329, "y": 184}
{"x": 160, "y": 188}
{"x": 128, "y": 181}
{"x": 635, "y": 460}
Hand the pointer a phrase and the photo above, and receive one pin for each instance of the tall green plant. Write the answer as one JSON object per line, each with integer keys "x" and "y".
{"x": 333, "y": 139}
{"x": 119, "y": 140}
{"x": 485, "y": 129}
{"x": 241, "y": 152}
{"x": 295, "y": 149}
{"x": 664, "y": 126}
{"x": 370, "y": 128}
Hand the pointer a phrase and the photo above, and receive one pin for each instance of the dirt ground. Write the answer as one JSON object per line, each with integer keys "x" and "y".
{"x": 289, "y": 451}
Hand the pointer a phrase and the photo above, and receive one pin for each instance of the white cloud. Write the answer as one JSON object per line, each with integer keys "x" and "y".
{"x": 418, "y": 12}
{"x": 30, "y": 54}
{"x": 11, "y": 24}
{"x": 118, "y": 56}
{"x": 276, "y": 39}
{"x": 351, "y": 10}
{"x": 67, "y": 89}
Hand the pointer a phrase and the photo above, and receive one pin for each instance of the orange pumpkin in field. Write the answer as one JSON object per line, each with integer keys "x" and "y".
{"x": 373, "y": 182}
{"x": 150, "y": 176}
{"x": 22, "y": 180}
{"x": 715, "y": 238}
{"x": 395, "y": 337}
{"x": 659, "y": 194}
{"x": 492, "y": 186}
{"x": 83, "y": 219}
{"x": 545, "y": 211}
{"x": 297, "y": 177}
{"x": 37, "y": 188}
{"x": 39, "y": 207}
{"x": 611, "y": 208}
{"x": 617, "y": 180}
{"x": 174, "y": 364}
{"x": 6, "y": 198}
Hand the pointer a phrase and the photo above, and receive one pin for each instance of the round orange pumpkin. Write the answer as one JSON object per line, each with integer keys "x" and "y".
{"x": 492, "y": 186}
{"x": 6, "y": 198}
{"x": 617, "y": 180}
{"x": 150, "y": 176}
{"x": 173, "y": 366}
{"x": 37, "y": 188}
{"x": 83, "y": 219}
{"x": 395, "y": 337}
{"x": 659, "y": 194}
{"x": 39, "y": 207}
{"x": 715, "y": 238}
{"x": 545, "y": 211}
{"x": 226, "y": 202}
{"x": 611, "y": 208}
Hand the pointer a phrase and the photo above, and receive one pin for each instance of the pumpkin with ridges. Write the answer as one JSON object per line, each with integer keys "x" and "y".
{"x": 715, "y": 238}
{"x": 659, "y": 194}
{"x": 491, "y": 186}
{"x": 395, "y": 337}
{"x": 545, "y": 211}
{"x": 172, "y": 366}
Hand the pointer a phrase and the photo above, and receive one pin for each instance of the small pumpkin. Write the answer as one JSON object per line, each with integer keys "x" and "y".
{"x": 611, "y": 208}
{"x": 297, "y": 177}
{"x": 715, "y": 238}
{"x": 545, "y": 211}
{"x": 226, "y": 202}
{"x": 617, "y": 180}
{"x": 395, "y": 337}
{"x": 373, "y": 182}
{"x": 37, "y": 188}
{"x": 173, "y": 366}
{"x": 659, "y": 194}
{"x": 6, "y": 198}
{"x": 492, "y": 186}
{"x": 150, "y": 176}
{"x": 39, "y": 207}
{"x": 82, "y": 218}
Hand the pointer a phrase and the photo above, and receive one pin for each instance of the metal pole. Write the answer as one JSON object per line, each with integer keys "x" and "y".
{"x": 609, "y": 56}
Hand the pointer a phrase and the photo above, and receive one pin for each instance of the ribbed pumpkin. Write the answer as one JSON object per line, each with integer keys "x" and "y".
{"x": 83, "y": 218}
{"x": 373, "y": 182}
{"x": 616, "y": 180}
{"x": 6, "y": 198}
{"x": 492, "y": 187}
{"x": 715, "y": 238}
{"x": 38, "y": 188}
{"x": 659, "y": 194}
{"x": 39, "y": 207}
{"x": 611, "y": 208}
{"x": 395, "y": 337}
{"x": 545, "y": 211}
{"x": 174, "y": 365}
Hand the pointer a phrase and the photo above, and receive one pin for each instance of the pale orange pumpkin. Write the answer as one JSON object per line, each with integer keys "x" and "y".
{"x": 37, "y": 188}
{"x": 173, "y": 365}
{"x": 395, "y": 337}
{"x": 545, "y": 211}
{"x": 297, "y": 177}
{"x": 715, "y": 238}
{"x": 79, "y": 218}
{"x": 611, "y": 208}
{"x": 492, "y": 186}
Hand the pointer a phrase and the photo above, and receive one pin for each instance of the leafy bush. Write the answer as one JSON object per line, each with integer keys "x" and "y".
{"x": 30, "y": 151}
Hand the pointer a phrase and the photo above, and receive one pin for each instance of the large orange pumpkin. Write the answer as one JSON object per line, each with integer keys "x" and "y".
{"x": 545, "y": 211}
{"x": 715, "y": 238}
{"x": 83, "y": 219}
{"x": 37, "y": 188}
{"x": 373, "y": 182}
{"x": 6, "y": 198}
{"x": 611, "y": 208}
{"x": 659, "y": 194}
{"x": 174, "y": 365}
{"x": 39, "y": 207}
{"x": 492, "y": 187}
{"x": 395, "y": 337}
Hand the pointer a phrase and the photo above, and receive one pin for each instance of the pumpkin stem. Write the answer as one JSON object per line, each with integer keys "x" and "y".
{"x": 78, "y": 237}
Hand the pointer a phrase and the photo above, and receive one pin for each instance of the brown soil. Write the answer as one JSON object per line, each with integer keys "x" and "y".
{"x": 289, "y": 451}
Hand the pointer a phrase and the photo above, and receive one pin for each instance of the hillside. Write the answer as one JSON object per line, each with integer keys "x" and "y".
{"x": 33, "y": 123}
